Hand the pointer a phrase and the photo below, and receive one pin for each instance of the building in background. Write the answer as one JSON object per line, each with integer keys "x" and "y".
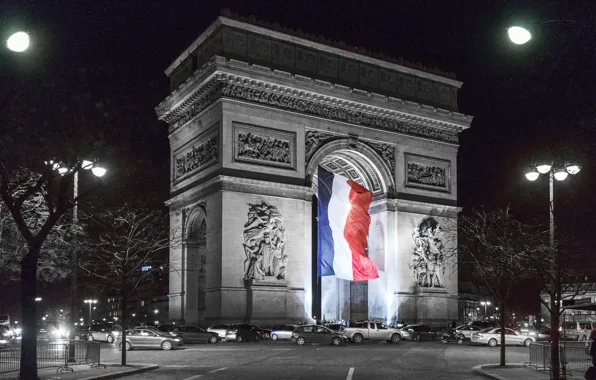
{"x": 573, "y": 294}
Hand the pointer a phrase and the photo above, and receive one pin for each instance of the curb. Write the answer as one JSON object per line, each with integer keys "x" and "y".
{"x": 115, "y": 375}
{"x": 482, "y": 370}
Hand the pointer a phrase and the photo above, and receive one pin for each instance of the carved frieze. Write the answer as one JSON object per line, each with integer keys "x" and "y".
{"x": 264, "y": 243}
{"x": 335, "y": 113}
{"x": 427, "y": 173}
{"x": 198, "y": 156}
{"x": 264, "y": 146}
{"x": 314, "y": 139}
{"x": 201, "y": 100}
{"x": 387, "y": 153}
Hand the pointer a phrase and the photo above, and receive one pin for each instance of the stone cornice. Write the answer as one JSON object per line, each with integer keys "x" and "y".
{"x": 237, "y": 184}
{"x": 308, "y": 88}
{"x": 424, "y": 208}
{"x": 304, "y": 42}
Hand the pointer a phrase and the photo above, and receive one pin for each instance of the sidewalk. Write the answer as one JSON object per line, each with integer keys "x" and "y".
{"x": 512, "y": 372}
{"x": 85, "y": 372}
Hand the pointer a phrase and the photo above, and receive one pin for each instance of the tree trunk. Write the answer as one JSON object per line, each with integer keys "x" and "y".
{"x": 28, "y": 365}
{"x": 554, "y": 336}
{"x": 502, "y": 325}
{"x": 124, "y": 317}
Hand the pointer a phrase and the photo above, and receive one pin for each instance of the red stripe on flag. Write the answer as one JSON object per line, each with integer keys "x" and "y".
{"x": 356, "y": 232}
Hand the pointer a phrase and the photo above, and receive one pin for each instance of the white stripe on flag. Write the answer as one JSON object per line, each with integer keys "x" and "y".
{"x": 339, "y": 208}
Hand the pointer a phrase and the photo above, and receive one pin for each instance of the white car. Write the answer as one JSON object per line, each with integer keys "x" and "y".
{"x": 467, "y": 330}
{"x": 492, "y": 337}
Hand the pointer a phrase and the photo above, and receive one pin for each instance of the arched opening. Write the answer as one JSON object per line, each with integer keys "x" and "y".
{"x": 196, "y": 273}
{"x": 338, "y": 299}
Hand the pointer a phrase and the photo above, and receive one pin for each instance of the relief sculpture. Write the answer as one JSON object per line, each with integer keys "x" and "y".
{"x": 314, "y": 139}
{"x": 428, "y": 258}
{"x": 198, "y": 157}
{"x": 387, "y": 153}
{"x": 426, "y": 174}
{"x": 263, "y": 148}
{"x": 264, "y": 244}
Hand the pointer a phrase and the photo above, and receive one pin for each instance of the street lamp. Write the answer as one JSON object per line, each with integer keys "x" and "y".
{"x": 519, "y": 35}
{"x": 485, "y": 304}
{"x": 90, "y": 302}
{"x": 18, "y": 42}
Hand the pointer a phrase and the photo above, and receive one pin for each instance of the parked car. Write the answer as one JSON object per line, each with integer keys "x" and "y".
{"x": 317, "y": 334}
{"x": 484, "y": 324}
{"x": 80, "y": 332}
{"x": 282, "y": 332}
{"x": 145, "y": 338}
{"x": 243, "y": 333}
{"x": 467, "y": 330}
{"x": 361, "y": 331}
{"x": 101, "y": 332}
{"x": 585, "y": 329}
{"x": 420, "y": 332}
{"x": 194, "y": 334}
{"x": 492, "y": 337}
{"x": 220, "y": 330}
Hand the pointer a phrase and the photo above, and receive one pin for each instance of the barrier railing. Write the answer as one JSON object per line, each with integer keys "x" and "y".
{"x": 50, "y": 355}
{"x": 572, "y": 355}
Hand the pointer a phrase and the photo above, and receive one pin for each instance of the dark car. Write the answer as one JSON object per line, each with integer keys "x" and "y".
{"x": 230, "y": 334}
{"x": 317, "y": 334}
{"x": 484, "y": 324}
{"x": 194, "y": 334}
{"x": 80, "y": 332}
{"x": 243, "y": 333}
{"x": 421, "y": 332}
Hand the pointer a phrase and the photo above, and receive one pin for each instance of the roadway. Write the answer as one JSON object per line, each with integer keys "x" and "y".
{"x": 282, "y": 361}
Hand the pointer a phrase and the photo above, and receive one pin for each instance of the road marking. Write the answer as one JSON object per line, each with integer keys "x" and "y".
{"x": 193, "y": 377}
{"x": 350, "y": 374}
{"x": 217, "y": 370}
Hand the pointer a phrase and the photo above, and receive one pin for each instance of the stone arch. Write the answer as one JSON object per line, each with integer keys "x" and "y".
{"x": 362, "y": 158}
{"x": 195, "y": 258}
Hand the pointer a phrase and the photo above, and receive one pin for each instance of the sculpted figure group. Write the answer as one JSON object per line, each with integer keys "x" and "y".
{"x": 264, "y": 244}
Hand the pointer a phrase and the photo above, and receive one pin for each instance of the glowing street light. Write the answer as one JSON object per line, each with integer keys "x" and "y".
{"x": 18, "y": 42}
{"x": 519, "y": 35}
{"x": 90, "y": 302}
{"x": 485, "y": 304}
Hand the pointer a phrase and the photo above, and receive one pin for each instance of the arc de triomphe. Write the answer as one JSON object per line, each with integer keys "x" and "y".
{"x": 252, "y": 114}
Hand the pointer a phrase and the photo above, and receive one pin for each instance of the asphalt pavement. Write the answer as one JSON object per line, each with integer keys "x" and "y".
{"x": 283, "y": 361}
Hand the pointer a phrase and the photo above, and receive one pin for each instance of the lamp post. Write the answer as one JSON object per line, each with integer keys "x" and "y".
{"x": 485, "y": 304}
{"x": 559, "y": 173}
{"x": 90, "y": 302}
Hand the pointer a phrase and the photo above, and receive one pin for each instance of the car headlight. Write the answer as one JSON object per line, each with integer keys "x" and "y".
{"x": 176, "y": 340}
{"x": 6, "y": 334}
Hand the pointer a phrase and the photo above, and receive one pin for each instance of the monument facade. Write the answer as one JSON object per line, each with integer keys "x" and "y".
{"x": 252, "y": 114}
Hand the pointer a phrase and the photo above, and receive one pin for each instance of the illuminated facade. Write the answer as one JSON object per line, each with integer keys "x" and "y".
{"x": 252, "y": 114}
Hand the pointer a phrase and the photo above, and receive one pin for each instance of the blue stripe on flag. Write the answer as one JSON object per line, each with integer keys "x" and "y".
{"x": 325, "y": 236}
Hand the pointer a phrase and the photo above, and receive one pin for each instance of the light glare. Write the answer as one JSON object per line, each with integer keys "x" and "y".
{"x": 544, "y": 168}
{"x": 532, "y": 176}
{"x": 573, "y": 168}
{"x": 561, "y": 175}
{"x": 18, "y": 42}
{"x": 98, "y": 171}
{"x": 519, "y": 35}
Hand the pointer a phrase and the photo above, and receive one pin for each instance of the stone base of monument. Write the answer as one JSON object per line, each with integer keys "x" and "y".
{"x": 430, "y": 306}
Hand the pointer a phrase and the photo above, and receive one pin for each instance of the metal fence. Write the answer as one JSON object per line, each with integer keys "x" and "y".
{"x": 53, "y": 355}
{"x": 573, "y": 356}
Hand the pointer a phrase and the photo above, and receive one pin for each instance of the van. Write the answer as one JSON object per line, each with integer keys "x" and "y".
{"x": 577, "y": 330}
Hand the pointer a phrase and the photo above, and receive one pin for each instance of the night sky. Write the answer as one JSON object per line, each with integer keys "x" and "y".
{"x": 526, "y": 100}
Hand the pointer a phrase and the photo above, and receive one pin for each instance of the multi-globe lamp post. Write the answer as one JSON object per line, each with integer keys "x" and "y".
{"x": 485, "y": 304}
{"x": 91, "y": 302}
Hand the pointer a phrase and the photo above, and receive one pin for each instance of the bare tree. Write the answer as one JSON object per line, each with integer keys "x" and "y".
{"x": 499, "y": 251}
{"x": 129, "y": 250}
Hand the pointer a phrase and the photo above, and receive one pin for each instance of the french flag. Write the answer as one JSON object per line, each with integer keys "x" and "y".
{"x": 343, "y": 222}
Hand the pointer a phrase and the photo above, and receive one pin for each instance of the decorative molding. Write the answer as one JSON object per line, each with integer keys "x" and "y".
{"x": 197, "y": 103}
{"x": 264, "y": 146}
{"x": 199, "y": 156}
{"x": 315, "y": 138}
{"x": 321, "y": 109}
{"x": 427, "y": 173}
{"x": 386, "y": 151}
